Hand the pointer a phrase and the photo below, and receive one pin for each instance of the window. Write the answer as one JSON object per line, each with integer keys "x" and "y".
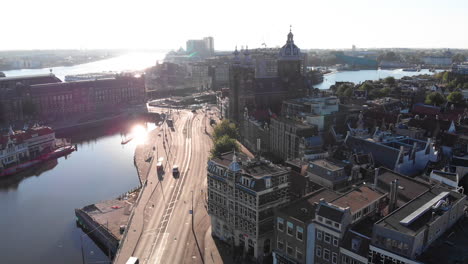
{"x": 280, "y": 245}
{"x": 327, "y": 238}
{"x": 328, "y": 222}
{"x": 320, "y": 219}
{"x": 326, "y": 254}
{"x": 334, "y": 258}
{"x": 318, "y": 251}
{"x": 290, "y": 250}
{"x": 336, "y": 225}
{"x": 290, "y": 228}
{"x": 319, "y": 235}
{"x": 335, "y": 241}
{"x": 298, "y": 254}
{"x": 280, "y": 224}
{"x": 299, "y": 232}
{"x": 267, "y": 183}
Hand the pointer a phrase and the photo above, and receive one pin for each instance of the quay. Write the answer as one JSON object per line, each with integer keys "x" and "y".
{"x": 106, "y": 222}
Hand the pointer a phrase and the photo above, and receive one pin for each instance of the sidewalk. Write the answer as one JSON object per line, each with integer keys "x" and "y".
{"x": 217, "y": 251}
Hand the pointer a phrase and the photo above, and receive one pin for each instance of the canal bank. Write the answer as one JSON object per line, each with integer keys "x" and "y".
{"x": 101, "y": 168}
{"x": 106, "y": 222}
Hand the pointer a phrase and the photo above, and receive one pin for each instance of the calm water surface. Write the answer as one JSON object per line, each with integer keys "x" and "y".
{"x": 128, "y": 62}
{"x": 37, "y": 212}
{"x": 364, "y": 75}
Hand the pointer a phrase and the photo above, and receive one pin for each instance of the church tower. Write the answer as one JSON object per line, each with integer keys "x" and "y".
{"x": 241, "y": 84}
{"x": 289, "y": 60}
{"x": 290, "y": 67}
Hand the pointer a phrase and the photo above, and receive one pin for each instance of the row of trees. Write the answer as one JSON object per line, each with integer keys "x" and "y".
{"x": 346, "y": 90}
{"x": 438, "y": 99}
{"x": 452, "y": 81}
{"x": 225, "y": 137}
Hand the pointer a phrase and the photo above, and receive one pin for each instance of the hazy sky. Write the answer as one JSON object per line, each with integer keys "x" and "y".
{"x": 50, "y": 24}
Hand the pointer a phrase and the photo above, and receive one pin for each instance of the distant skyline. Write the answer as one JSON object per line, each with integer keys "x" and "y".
{"x": 149, "y": 24}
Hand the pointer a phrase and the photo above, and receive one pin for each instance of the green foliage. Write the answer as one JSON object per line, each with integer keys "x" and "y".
{"x": 445, "y": 77}
{"x": 439, "y": 75}
{"x": 366, "y": 87}
{"x": 224, "y": 144}
{"x": 224, "y": 137}
{"x": 455, "y": 97}
{"x": 29, "y": 108}
{"x": 379, "y": 93}
{"x": 390, "y": 80}
{"x": 348, "y": 92}
{"x": 225, "y": 128}
{"x": 435, "y": 98}
{"x": 452, "y": 85}
{"x": 342, "y": 90}
{"x": 385, "y": 91}
{"x": 465, "y": 86}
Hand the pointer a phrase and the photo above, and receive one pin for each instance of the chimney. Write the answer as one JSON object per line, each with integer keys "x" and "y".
{"x": 390, "y": 196}
{"x": 376, "y": 175}
{"x": 393, "y": 196}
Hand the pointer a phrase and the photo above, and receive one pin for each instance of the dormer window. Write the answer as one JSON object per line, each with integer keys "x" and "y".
{"x": 245, "y": 181}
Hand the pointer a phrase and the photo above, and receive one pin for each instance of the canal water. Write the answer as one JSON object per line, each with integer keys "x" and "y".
{"x": 364, "y": 75}
{"x": 37, "y": 208}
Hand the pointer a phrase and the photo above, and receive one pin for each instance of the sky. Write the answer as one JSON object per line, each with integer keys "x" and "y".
{"x": 167, "y": 24}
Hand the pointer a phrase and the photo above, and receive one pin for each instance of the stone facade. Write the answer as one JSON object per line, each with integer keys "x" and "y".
{"x": 242, "y": 195}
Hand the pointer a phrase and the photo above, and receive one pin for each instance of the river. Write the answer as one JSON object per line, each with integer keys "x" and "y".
{"x": 37, "y": 211}
{"x": 361, "y": 76}
{"x": 128, "y": 62}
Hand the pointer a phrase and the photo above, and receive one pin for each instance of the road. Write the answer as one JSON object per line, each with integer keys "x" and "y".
{"x": 161, "y": 228}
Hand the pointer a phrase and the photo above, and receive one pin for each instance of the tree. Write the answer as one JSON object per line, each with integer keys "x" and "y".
{"x": 366, "y": 87}
{"x": 224, "y": 144}
{"x": 390, "y": 80}
{"x": 348, "y": 92}
{"x": 446, "y": 76}
{"x": 385, "y": 91}
{"x": 435, "y": 98}
{"x": 225, "y": 128}
{"x": 342, "y": 89}
{"x": 455, "y": 97}
{"x": 465, "y": 86}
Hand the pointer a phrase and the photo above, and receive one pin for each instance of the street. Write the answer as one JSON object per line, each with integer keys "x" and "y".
{"x": 162, "y": 226}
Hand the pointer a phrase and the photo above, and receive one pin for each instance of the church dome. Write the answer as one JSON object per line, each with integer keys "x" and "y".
{"x": 290, "y": 51}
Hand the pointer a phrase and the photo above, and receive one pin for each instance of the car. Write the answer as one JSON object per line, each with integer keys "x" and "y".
{"x": 175, "y": 171}
{"x": 159, "y": 166}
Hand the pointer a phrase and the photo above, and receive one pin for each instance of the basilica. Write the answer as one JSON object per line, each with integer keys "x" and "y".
{"x": 250, "y": 91}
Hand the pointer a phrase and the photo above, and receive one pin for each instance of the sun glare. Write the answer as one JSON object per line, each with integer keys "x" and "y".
{"x": 139, "y": 134}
